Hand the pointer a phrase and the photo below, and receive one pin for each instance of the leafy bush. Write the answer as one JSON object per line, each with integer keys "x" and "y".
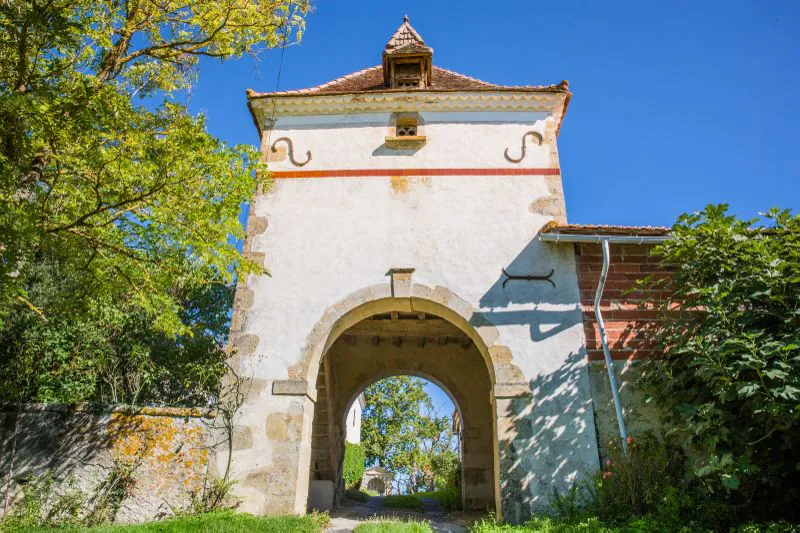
{"x": 446, "y": 468}
{"x": 640, "y": 482}
{"x": 354, "y": 458}
{"x": 215, "y": 496}
{"x": 43, "y": 506}
{"x": 730, "y": 375}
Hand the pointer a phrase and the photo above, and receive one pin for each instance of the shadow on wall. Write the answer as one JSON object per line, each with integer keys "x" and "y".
{"x": 53, "y": 441}
{"x": 536, "y": 259}
{"x": 547, "y": 440}
{"x": 79, "y": 447}
{"x": 544, "y": 446}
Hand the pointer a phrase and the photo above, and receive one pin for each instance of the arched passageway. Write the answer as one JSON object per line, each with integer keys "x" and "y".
{"x": 412, "y": 343}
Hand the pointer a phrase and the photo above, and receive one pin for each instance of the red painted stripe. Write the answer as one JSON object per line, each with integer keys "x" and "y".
{"x": 372, "y": 172}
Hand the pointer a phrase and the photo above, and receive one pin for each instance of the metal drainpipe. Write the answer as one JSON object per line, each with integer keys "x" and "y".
{"x": 612, "y": 378}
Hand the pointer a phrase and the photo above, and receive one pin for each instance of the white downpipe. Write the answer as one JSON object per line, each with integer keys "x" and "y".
{"x": 603, "y": 241}
{"x": 612, "y": 378}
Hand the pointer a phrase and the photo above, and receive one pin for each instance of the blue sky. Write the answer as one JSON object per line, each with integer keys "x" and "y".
{"x": 676, "y": 104}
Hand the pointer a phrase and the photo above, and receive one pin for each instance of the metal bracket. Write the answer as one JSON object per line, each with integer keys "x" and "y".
{"x": 530, "y": 278}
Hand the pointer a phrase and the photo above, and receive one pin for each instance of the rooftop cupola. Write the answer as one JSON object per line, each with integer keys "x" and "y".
{"x": 407, "y": 62}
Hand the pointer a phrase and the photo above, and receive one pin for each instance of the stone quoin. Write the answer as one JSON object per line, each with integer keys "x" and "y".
{"x": 403, "y": 235}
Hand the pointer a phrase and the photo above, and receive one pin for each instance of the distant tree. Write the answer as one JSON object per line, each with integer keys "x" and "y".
{"x": 401, "y": 433}
{"x": 730, "y": 335}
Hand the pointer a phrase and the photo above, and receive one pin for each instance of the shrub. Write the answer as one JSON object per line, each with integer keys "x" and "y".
{"x": 643, "y": 481}
{"x": 730, "y": 375}
{"x": 354, "y": 458}
{"x": 214, "y": 496}
{"x": 43, "y": 506}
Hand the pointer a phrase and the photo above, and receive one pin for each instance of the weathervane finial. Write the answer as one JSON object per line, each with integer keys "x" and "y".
{"x": 405, "y": 18}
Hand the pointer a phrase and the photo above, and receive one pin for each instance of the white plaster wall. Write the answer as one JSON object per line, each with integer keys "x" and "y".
{"x": 353, "y": 431}
{"x": 329, "y": 237}
{"x": 475, "y": 139}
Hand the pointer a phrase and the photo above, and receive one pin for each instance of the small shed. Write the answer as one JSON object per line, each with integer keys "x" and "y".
{"x": 377, "y": 479}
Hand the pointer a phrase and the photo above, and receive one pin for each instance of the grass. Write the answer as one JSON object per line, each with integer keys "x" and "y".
{"x": 402, "y": 501}
{"x": 360, "y": 495}
{"x": 543, "y": 525}
{"x": 220, "y": 522}
{"x": 449, "y": 499}
{"x": 393, "y": 526}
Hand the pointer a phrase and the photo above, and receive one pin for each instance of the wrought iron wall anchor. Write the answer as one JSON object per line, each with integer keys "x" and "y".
{"x": 530, "y": 278}
{"x": 537, "y": 138}
{"x": 288, "y": 142}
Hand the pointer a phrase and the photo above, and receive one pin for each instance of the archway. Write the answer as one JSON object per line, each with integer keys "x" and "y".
{"x": 414, "y": 343}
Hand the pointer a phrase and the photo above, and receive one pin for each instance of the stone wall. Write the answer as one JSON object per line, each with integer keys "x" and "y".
{"x": 79, "y": 445}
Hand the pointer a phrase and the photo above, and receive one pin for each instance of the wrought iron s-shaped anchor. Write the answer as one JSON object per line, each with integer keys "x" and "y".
{"x": 537, "y": 138}
{"x": 288, "y": 142}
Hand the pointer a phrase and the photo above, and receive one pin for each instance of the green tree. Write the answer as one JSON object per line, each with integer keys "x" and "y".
{"x": 138, "y": 201}
{"x": 105, "y": 351}
{"x": 730, "y": 334}
{"x": 401, "y": 433}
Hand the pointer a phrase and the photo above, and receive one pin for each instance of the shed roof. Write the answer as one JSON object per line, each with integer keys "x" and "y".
{"x": 594, "y": 229}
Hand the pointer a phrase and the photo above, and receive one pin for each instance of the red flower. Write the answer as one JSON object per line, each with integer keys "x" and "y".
{"x": 629, "y": 440}
{"x": 607, "y": 475}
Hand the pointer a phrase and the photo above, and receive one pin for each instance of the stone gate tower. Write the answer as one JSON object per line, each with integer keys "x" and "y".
{"x": 399, "y": 233}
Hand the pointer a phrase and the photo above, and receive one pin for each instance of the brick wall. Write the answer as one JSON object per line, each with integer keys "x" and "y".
{"x": 626, "y": 314}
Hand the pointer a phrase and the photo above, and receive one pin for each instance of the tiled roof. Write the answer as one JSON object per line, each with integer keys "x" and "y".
{"x": 410, "y": 48}
{"x": 595, "y": 229}
{"x": 371, "y": 80}
{"x": 404, "y": 35}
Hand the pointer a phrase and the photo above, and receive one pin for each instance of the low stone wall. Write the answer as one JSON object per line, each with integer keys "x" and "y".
{"x": 79, "y": 445}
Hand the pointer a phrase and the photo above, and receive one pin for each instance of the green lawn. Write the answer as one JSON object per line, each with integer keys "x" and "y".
{"x": 393, "y": 526}
{"x": 360, "y": 495}
{"x": 223, "y": 522}
{"x": 449, "y": 499}
{"x": 402, "y": 501}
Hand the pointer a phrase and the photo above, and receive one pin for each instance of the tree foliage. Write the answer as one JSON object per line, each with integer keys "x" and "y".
{"x": 401, "y": 433}
{"x": 731, "y": 342}
{"x": 118, "y": 210}
{"x": 106, "y": 351}
{"x": 135, "y": 199}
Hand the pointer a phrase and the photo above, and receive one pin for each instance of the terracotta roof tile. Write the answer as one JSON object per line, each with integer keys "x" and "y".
{"x": 371, "y": 80}
{"x": 404, "y": 35}
{"x": 595, "y": 229}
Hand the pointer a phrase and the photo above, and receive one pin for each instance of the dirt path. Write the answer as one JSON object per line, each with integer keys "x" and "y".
{"x": 348, "y": 517}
